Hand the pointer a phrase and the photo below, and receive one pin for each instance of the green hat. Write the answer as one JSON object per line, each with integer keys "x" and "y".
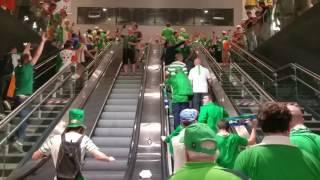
{"x": 195, "y": 135}
{"x": 76, "y": 118}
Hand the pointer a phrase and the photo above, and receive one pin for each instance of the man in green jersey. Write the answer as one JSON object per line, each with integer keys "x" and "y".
{"x": 211, "y": 113}
{"x": 229, "y": 144}
{"x": 129, "y": 47}
{"x": 167, "y": 32}
{"x": 24, "y": 86}
{"x": 275, "y": 158}
{"x": 200, "y": 145}
{"x": 300, "y": 135}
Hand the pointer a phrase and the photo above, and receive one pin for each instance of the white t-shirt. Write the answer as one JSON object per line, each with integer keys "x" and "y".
{"x": 178, "y": 151}
{"x": 66, "y": 56}
{"x": 199, "y": 76}
{"x": 52, "y": 145}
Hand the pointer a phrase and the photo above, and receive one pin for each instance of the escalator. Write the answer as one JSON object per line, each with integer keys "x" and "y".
{"x": 44, "y": 109}
{"x": 114, "y": 128}
{"x": 111, "y": 102}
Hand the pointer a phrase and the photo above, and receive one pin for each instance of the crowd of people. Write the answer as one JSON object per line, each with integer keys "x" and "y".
{"x": 202, "y": 144}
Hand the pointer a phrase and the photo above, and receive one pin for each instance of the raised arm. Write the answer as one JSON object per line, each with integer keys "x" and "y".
{"x": 38, "y": 52}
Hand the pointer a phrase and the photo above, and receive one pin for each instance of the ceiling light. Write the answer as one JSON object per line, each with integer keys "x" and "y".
{"x": 218, "y": 18}
{"x": 206, "y": 11}
{"x": 104, "y": 9}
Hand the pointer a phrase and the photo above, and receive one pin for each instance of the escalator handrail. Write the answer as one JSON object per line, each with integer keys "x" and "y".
{"x": 48, "y": 60}
{"x": 165, "y": 130}
{"x": 269, "y": 68}
{"x": 40, "y": 163}
{"x": 39, "y": 91}
{"x": 256, "y": 86}
{"x": 276, "y": 71}
{"x": 136, "y": 127}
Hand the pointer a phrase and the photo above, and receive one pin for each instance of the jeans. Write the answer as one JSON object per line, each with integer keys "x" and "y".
{"x": 197, "y": 100}
{"x": 20, "y": 133}
{"x": 176, "y": 109}
{"x": 4, "y": 85}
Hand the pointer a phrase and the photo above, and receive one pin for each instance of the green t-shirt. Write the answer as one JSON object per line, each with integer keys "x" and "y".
{"x": 167, "y": 33}
{"x": 24, "y": 79}
{"x": 306, "y": 140}
{"x": 127, "y": 39}
{"x": 185, "y": 35}
{"x": 203, "y": 171}
{"x": 210, "y": 114}
{"x": 277, "y": 162}
{"x": 229, "y": 148}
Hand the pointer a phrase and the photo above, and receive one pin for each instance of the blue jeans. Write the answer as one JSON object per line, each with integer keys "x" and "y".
{"x": 176, "y": 109}
{"x": 20, "y": 133}
{"x": 197, "y": 100}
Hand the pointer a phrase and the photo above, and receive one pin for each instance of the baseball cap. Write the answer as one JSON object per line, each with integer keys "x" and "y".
{"x": 189, "y": 115}
{"x": 195, "y": 135}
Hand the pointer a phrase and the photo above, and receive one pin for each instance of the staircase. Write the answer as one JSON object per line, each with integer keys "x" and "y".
{"x": 113, "y": 132}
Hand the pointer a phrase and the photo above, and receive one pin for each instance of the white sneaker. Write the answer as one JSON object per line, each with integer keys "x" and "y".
{"x": 7, "y": 105}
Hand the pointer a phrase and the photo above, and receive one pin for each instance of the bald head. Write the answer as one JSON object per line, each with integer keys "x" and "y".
{"x": 297, "y": 116}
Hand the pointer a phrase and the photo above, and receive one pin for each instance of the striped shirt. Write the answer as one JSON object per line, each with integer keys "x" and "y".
{"x": 174, "y": 66}
{"x": 52, "y": 145}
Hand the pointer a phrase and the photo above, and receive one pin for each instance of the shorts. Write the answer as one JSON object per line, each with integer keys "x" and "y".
{"x": 129, "y": 56}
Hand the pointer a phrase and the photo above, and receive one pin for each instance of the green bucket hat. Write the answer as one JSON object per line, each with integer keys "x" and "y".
{"x": 195, "y": 135}
{"x": 76, "y": 118}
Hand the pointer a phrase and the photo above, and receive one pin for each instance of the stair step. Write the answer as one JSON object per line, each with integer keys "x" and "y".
{"x": 92, "y": 164}
{"x": 104, "y": 175}
{"x": 123, "y": 96}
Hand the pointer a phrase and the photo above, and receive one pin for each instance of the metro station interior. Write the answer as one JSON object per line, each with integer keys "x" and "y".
{"x": 120, "y": 56}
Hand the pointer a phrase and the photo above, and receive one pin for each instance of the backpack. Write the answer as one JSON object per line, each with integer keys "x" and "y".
{"x": 69, "y": 160}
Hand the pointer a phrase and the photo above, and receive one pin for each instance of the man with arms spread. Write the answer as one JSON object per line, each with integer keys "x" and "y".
{"x": 229, "y": 144}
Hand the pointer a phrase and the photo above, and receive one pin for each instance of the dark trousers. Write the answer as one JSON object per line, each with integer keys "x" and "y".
{"x": 20, "y": 133}
{"x": 176, "y": 109}
{"x": 197, "y": 100}
{"x": 4, "y": 85}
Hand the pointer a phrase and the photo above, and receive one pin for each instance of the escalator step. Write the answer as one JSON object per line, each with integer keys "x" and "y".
{"x": 122, "y": 102}
{"x": 127, "y": 86}
{"x": 120, "y": 108}
{"x": 113, "y": 132}
{"x": 123, "y": 96}
{"x": 116, "y": 123}
{"x": 129, "y": 77}
{"x": 128, "y": 81}
{"x": 104, "y": 175}
{"x": 118, "y": 115}
{"x": 122, "y": 142}
{"x": 92, "y": 164}
{"x": 126, "y": 91}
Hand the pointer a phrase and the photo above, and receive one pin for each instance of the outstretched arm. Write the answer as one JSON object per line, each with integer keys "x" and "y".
{"x": 38, "y": 52}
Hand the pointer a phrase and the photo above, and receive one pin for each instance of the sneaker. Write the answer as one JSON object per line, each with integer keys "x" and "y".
{"x": 7, "y": 105}
{"x": 18, "y": 146}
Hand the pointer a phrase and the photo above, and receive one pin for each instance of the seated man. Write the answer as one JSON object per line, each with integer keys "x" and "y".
{"x": 275, "y": 157}
{"x": 201, "y": 148}
{"x": 229, "y": 144}
{"x": 301, "y": 136}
